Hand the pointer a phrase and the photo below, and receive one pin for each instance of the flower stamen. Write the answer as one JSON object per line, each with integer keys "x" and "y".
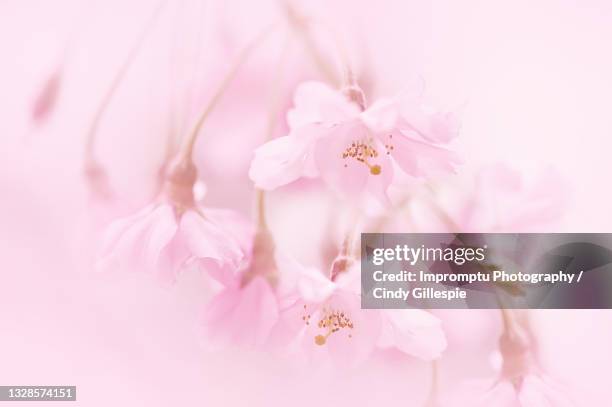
{"x": 363, "y": 152}
{"x": 331, "y": 321}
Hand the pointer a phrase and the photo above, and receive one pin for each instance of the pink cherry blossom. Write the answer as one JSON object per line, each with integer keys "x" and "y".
{"x": 326, "y": 322}
{"x": 505, "y": 202}
{"x": 169, "y": 234}
{"x": 241, "y": 314}
{"x": 534, "y": 390}
{"x": 521, "y": 381}
{"x": 355, "y": 151}
{"x": 497, "y": 198}
{"x": 277, "y": 303}
{"x": 246, "y": 308}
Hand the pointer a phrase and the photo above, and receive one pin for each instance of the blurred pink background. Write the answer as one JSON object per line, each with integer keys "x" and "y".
{"x": 531, "y": 80}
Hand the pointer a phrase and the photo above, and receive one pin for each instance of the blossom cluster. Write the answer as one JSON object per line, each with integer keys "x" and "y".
{"x": 388, "y": 163}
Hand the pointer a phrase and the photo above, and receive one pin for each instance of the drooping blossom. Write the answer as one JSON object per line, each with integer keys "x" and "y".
{"x": 326, "y": 322}
{"x": 175, "y": 231}
{"x": 521, "y": 382}
{"x": 246, "y": 311}
{"x": 535, "y": 390}
{"x": 355, "y": 149}
{"x": 504, "y": 201}
{"x": 497, "y": 198}
{"x": 246, "y": 308}
{"x": 275, "y": 302}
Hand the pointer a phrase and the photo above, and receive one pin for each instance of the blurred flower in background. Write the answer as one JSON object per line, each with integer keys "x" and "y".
{"x": 286, "y": 112}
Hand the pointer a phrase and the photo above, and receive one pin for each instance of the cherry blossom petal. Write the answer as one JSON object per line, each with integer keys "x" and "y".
{"x": 206, "y": 240}
{"x": 117, "y": 229}
{"x": 537, "y": 391}
{"x": 435, "y": 127}
{"x": 315, "y": 102}
{"x": 162, "y": 229}
{"x": 288, "y": 333}
{"x": 244, "y": 315}
{"x": 377, "y": 185}
{"x": 348, "y": 176}
{"x": 350, "y": 280}
{"x": 138, "y": 240}
{"x": 502, "y": 201}
{"x": 382, "y": 116}
{"x": 482, "y": 393}
{"x": 418, "y": 158}
{"x": 172, "y": 260}
{"x": 349, "y": 347}
{"x": 308, "y": 282}
{"x": 285, "y": 159}
{"x": 502, "y": 394}
{"x": 415, "y": 332}
{"x": 233, "y": 223}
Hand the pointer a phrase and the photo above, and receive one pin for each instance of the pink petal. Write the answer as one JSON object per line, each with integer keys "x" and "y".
{"x": 172, "y": 260}
{"x": 418, "y": 158}
{"x": 242, "y": 315}
{"x": 207, "y": 240}
{"x": 290, "y": 326}
{"x": 539, "y": 391}
{"x": 502, "y": 201}
{"x": 315, "y": 102}
{"x": 162, "y": 229}
{"x": 116, "y": 230}
{"x": 139, "y": 239}
{"x": 502, "y": 394}
{"x": 348, "y": 176}
{"x": 382, "y": 116}
{"x": 227, "y": 274}
{"x": 285, "y": 159}
{"x": 377, "y": 185}
{"x": 431, "y": 125}
{"x": 355, "y": 345}
{"x": 235, "y": 224}
{"x": 308, "y": 282}
{"x": 242, "y": 231}
{"x": 436, "y": 127}
{"x": 415, "y": 332}
{"x": 483, "y": 393}
{"x": 350, "y": 280}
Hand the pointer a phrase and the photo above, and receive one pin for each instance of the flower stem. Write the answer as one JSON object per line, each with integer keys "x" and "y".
{"x": 273, "y": 113}
{"x": 116, "y": 82}
{"x": 348, "y": 77}
{"x": 432, "y": 398}
{"x": 260, "y": 205}
{"x": 348, "y": 252}
{"x": 300, "y": 26}
{"x": 443, "y": 215}
{"x": 516, "y": 347}
{"x": 187, "y": 149}
{"x": 348, "y": 246}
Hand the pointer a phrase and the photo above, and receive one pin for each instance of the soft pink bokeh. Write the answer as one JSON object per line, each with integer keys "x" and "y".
{"x": 530, "y": 79}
